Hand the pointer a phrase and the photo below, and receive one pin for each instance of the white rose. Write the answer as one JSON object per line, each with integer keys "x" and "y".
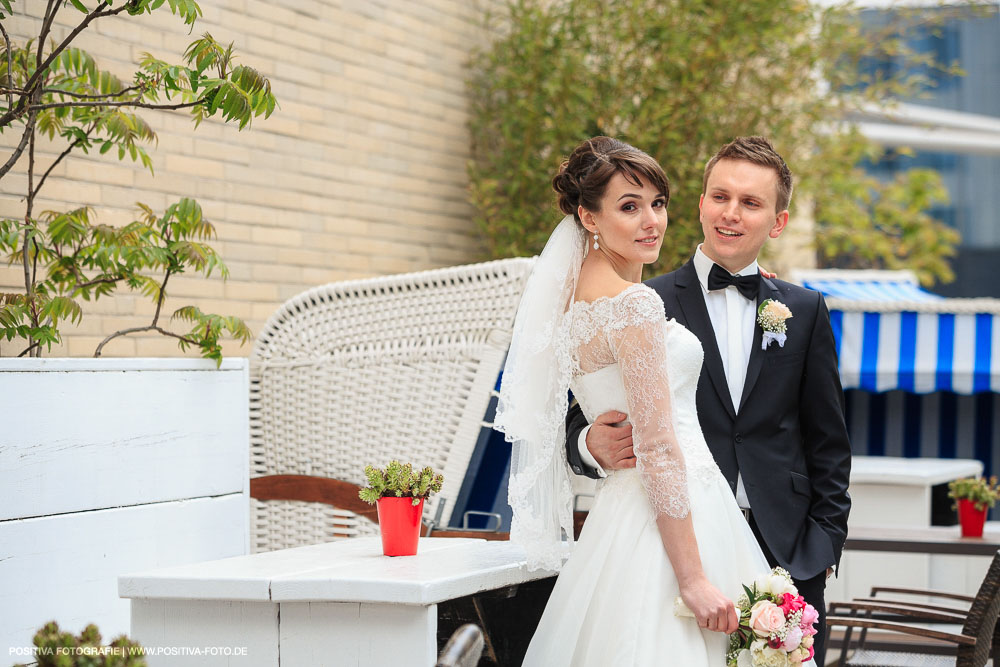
{"x": 744, "y": 659}
{"x": 778, "y": 585}
{"x": 771, "y": 657}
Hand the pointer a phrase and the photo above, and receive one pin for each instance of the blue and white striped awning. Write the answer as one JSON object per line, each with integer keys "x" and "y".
{"x": 893, "y": 335}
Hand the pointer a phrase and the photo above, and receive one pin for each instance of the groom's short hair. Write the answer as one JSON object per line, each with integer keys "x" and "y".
{"x": 757, "y": 150}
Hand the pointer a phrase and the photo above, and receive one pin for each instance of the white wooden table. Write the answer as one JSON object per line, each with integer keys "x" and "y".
{"x": 889, "y": 489}
{"x": 890, "y": 492}
{"x": 341, "y": 603}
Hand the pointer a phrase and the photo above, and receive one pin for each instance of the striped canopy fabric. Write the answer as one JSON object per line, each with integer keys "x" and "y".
{"x": 937, "y": 425}
{"x": 893, "y": 335}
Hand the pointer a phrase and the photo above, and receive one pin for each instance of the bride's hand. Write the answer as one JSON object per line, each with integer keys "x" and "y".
{"x": 713, "y": 610}
{"x": 767, "y": 274}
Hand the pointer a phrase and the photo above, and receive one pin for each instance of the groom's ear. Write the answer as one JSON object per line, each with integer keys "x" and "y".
{"x": 780, "y": 222}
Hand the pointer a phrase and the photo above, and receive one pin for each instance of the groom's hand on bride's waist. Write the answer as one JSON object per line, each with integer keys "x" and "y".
{"x": 610, "y": 443}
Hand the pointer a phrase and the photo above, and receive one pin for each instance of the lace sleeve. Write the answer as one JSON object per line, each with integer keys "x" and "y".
{"x": 640, "y": 347}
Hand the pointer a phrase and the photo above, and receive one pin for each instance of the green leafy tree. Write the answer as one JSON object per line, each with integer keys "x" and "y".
{"x": 679, "y": 79}
{"x": 52, "y": 89}
{"x": 862, "y": 223}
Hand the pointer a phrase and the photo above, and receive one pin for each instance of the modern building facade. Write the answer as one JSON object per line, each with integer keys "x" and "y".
{"x": 954, "y": 128}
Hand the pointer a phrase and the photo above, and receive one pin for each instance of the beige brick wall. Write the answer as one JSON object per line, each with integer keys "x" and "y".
{"x": 361, "y": 171}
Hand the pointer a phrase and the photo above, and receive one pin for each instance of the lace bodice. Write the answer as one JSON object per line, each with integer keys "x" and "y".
{"x": 626, "y": 356}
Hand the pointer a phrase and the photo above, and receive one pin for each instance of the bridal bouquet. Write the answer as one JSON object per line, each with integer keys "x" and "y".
{"x": 776, "y": 624}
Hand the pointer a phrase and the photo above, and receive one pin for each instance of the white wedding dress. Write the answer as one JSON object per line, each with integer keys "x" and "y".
{"x": 613, "y": 604}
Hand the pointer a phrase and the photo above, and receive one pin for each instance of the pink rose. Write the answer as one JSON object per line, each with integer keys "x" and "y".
{"x": 792, "y": 639}
{"x": 765, "y": 618}
{"x": 792, "y": 603}
{"x": 809, "y": 618}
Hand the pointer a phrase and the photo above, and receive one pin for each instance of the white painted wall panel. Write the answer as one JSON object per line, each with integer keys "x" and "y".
{"x": 94, "y": 433}
{"x": 348, "y": 634}
{"x": 182, "y": 633}
{"x": 110, "y": 466}
{"x": 66, "y": 567}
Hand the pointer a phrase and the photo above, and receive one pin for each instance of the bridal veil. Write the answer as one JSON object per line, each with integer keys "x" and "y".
{"x": 534, "y": 399}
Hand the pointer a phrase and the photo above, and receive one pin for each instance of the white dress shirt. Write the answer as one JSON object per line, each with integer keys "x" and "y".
{"x": 727, "y": 309}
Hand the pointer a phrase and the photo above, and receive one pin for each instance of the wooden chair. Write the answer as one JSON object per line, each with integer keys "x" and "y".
{"x": 895, "y": 619}
{"x": 366, "y": 371}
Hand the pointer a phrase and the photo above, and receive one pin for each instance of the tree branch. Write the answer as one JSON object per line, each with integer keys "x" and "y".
{"x": 50, "y": 14}
{"x": 28, "y": 284}
{"x": 28, "y": 210}
{"x": 32, "y": 82}
{"x": 63, "y": 155}
{"x": 55, "y": 162}
{"x": 10, "y": 77}
{"x": 29, "y": 349}
{"x": 60, "y": 91}
{"x": 151, "y": 327}
{"x": 159, "y": 300}
{"x": 29, "y": 129}
{"x": 96, "y": 281}
{"x": 143, "y": 105}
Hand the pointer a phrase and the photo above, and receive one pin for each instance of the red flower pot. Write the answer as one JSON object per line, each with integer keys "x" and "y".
{"x": 399, "y": 523}
{"x": 970, "y": 518}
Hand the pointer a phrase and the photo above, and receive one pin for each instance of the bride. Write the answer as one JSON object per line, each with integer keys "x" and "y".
{"x": 668, "y": 528}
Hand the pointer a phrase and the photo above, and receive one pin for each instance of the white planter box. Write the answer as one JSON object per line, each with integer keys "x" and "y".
{"x": 110, "y": 466}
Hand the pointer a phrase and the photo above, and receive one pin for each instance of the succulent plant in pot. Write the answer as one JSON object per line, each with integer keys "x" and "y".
{"x": 974, "y": 496}
{"x": 54, "y": 647}
{"x": 399, "y": 493}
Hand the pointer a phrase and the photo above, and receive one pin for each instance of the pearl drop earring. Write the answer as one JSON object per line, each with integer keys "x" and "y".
{"x": 595, "y": 241}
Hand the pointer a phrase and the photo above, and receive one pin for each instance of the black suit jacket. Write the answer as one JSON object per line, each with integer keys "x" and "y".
{"x": 787, "y": 437}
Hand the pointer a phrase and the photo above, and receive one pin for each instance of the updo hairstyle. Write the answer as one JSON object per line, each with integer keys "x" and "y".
{"x": 583, "y": 178}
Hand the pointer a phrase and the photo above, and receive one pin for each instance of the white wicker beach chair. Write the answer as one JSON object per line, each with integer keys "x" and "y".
{"x": 362, "y": 372}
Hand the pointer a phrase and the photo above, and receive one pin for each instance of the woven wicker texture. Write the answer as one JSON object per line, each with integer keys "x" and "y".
{"x": 981, "y": 623}
{"x": 279, "y": 524}
{"x": 362, "y": 372}
{"x": 982, "y": 619}
{"x": 866, "y": 658}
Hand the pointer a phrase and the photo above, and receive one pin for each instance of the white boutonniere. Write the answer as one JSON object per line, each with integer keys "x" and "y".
{"x": 771, "y": 316}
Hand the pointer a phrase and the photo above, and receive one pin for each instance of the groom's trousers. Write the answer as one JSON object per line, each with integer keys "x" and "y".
{"x": 813, "y": 590}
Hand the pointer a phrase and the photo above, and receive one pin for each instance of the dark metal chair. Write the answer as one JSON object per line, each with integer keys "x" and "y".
{"x": 463, "y": 649}
{"x": 971, "y": 647}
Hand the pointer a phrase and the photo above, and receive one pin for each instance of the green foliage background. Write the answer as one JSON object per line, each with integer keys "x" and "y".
{"x": 679, "y": 78}
{"x": 50, "y": 89}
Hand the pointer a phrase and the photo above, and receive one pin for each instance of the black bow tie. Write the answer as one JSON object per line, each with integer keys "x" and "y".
{"x": 748, "y": 286}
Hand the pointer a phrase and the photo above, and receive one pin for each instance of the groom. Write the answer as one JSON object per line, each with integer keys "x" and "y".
{"x": 773, "y": 416}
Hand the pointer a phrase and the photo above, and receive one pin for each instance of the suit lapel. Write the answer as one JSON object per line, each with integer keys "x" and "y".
{"x": 767, "y": 291}
{"x": 692, "y": 304}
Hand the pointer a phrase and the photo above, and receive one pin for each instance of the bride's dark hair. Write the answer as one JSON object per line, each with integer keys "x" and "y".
{"x": 583, "y": 178}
